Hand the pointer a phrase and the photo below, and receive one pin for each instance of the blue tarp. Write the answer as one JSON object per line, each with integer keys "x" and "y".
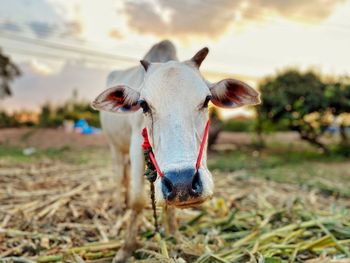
{"x": 83, "y": 127}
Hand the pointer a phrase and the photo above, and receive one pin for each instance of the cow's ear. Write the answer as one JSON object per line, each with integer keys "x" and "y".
{"x": 232, "y": 93}
{"x": 120, "y": 98}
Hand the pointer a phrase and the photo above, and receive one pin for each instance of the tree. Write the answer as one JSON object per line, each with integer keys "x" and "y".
{"x": 8, "y": 72}
{"x": 337, "y": 94}
{"x": 215, "y": 127}
{"x": 297, "y": 100}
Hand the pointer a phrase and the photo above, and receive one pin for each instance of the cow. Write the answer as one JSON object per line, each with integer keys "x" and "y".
{"x": 170, "y": 99}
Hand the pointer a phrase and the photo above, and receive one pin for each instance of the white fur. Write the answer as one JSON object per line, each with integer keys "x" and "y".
{"x": 175, "y": 93}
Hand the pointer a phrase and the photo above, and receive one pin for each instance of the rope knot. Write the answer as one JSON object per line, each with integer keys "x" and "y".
{"x": 146, "y": 145}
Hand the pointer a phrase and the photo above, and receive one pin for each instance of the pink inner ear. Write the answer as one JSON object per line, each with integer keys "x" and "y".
{"x": 235, "y": 92}
{"x": 117, "y": 97}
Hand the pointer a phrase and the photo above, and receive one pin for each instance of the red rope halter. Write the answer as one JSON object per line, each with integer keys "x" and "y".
{"x": 146, "y": 145}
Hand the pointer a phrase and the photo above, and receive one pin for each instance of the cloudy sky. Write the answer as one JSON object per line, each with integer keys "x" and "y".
{"x": 63, "y": 45}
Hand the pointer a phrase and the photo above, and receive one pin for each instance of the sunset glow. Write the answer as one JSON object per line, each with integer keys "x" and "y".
{"x": 65, "y": 45}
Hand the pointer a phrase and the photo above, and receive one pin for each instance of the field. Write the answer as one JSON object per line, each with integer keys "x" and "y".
{"x": 283, "y": 203}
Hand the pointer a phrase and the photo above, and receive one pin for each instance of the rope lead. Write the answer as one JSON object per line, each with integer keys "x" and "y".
{"x": 151, "y": 175}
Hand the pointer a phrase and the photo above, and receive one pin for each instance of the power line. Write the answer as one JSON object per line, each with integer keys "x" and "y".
{"x": 65, "y": 47}
{"x": 52, "y": 56}
{"x": 98, "y": 60}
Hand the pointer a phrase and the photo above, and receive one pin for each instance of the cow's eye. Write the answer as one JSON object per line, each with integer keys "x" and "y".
{"x": 144, "y": 106}
{"x": 206, "y": 102}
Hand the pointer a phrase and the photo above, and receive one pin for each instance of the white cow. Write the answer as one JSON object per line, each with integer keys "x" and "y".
{"x": 169, "y": 98}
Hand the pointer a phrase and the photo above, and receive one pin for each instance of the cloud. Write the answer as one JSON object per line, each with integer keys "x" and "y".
{"x": 10, "y": 26}
{"x": 115, "y": 33}
{"x": 73, "y": 28}
{"x": 40, "y": 68}
{"x": 43, "y": 18}
{"x": 143, "y": 18}
{"x": 36, "y": 86}
{"x": 42, "y": 29}
{"x": 183, "y": 18}
{"x": 313, "y": 11}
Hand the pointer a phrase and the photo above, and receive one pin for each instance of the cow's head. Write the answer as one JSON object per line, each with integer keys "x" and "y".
{"x": 174, "y": 99}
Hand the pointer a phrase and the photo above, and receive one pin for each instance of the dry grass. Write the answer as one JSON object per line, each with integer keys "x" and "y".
{"x": 55, "y": 211}
{"x": 58, "y": 205}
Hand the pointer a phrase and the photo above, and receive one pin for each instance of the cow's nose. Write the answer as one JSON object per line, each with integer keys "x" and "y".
{"x": 181, "y": 185}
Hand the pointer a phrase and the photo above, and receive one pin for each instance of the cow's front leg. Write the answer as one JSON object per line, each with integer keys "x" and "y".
{"x": 118, "y": 163}
{"x": 137, "y": 198}
{"x": 169, "y": 221}
{"x": 130, "y": 239}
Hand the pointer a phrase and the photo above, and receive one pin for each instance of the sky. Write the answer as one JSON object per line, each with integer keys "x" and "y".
{"x": 63, "y": 45}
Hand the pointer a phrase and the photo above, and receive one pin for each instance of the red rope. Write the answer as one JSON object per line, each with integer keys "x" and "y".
{"x": 160, "y": 173}
{"x": 201, "y": 149}
{"x": 146, "y": 145}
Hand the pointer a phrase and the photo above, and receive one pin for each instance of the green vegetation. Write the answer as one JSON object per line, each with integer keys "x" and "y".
{"x": 15, "y": 155}
{"x": 238, "y": 125}
{"x": 305, "y": 103}
{"x": 72, "y": 110}
{"x": 279, "y": 162}
{"x": 52, "y": 116}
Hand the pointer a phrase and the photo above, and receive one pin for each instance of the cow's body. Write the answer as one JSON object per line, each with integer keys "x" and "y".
{"x": 170, "y": 99}
{"x": 123, "y": 131}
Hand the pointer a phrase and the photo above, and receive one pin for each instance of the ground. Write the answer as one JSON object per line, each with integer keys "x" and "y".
{"x": 284, "y": 203}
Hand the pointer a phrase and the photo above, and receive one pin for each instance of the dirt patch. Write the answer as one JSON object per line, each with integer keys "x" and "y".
{"x": 56, "y": 138}
{"x": 49, "y": 138}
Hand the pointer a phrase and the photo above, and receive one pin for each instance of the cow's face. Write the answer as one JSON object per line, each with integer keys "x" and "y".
{"x": 174, "y": 99}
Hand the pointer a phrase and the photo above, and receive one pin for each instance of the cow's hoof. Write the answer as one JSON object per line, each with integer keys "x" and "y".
{"x": 119, "y": 211}
{"x": 120, "y": 208}
{"x": 125, "y": 252}
{"x": 122, "y": 256}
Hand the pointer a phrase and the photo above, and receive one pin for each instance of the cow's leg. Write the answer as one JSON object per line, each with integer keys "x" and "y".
{"x": 137, "y": 198}
{"x": 126, "y": 181}
{"x": 169, "y": 220}
{"x": 118, "y": 164}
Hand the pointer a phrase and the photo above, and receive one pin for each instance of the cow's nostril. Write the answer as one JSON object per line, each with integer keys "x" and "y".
{"x": 168, "y": 189}
{"x": 196, "y": 184}
{"x": 181, "y": 185}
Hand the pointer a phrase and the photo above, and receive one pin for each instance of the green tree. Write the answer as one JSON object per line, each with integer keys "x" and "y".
{"x": 46, "y": 115}
{"x": 215, "y": 127}
{"x": 291, "y": 98}
{"x": 337, "y": 94}
{"x": 8, "y": 72}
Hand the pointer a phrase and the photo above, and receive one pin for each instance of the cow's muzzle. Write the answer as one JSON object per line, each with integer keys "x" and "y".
{"x": 182, "y": 187}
